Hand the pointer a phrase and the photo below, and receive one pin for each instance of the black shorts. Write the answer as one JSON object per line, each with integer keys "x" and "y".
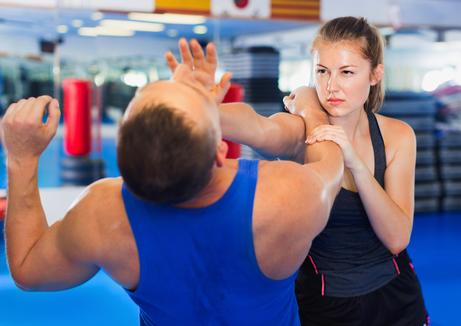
{"x": 398, "y": 303}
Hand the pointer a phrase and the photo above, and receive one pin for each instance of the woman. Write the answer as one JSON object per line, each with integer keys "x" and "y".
{"x": 358, "y": 271}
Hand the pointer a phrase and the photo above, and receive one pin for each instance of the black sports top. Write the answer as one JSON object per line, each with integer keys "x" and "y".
{"x": 348, "y": 255}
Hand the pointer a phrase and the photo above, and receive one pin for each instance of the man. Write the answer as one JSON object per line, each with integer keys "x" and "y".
{"x": 194, "y": 238}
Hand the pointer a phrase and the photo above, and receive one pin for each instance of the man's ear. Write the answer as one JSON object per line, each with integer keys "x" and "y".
{"x": 377, "y": 74}
{"x": 221, "y": 153}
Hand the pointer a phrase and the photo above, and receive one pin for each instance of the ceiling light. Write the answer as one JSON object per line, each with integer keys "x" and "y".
{"x": 134, "y": 78}
{"x": 77, "y": 23}
{"x": 133, "y": 26}
{"x": 105, "y": 31}
{"x": 62, "y": 29}
{"x": 88, "y": 31}
{"x": 172, "y": 33}
{"x": 200, "y": 29}
{"x": 97, "y": 15}
{"x": 168, "y": 18}
{"x": 114, "y": 32}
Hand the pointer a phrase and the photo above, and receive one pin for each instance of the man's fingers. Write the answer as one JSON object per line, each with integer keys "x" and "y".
{"x": 171, "y": 61}
{"x": 225, "y": 79}
{"x": 288, "y": 103}
{"x": 186, "y": 56}
{"x": 54, "y": 114}
{"x": 10, "y": 110}
{"x": 198, "y": 55}
{"x": 21, "y": 105}
{"x": 25, "y": 112}
{"x": 37, "y": 108}
{"x": 211, "y": 56}
{"x": 224, "y": 83}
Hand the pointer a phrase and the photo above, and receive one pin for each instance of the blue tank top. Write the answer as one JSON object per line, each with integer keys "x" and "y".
{"x": 198, "y": 266}
{"x": 347, "y": 254}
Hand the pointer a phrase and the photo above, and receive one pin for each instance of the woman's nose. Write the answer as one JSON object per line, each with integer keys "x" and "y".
{"x": 332, "y": 85}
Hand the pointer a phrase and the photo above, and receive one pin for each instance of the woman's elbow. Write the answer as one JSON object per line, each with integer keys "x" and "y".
{"x": 398, "y": 245}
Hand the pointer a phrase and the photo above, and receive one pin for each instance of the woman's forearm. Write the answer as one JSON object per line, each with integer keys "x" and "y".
{"x": 390, "y": 222}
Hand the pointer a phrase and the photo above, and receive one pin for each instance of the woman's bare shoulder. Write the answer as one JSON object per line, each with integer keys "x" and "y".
{"x": 396, "y": 134}
{"x": 394, "y": 130}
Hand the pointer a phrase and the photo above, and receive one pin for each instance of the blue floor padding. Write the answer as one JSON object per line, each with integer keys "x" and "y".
{"x": 436, "y": 251}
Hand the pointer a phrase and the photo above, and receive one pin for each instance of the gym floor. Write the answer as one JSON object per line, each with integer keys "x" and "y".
{"x": 435, "y": 248}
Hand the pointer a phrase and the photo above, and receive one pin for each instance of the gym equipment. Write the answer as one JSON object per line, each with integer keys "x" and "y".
{"x": 234, "y": 94}
{"x": 77, "y": 168}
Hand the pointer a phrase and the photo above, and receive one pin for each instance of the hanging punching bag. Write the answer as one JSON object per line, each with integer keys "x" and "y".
{"x": 77, "y": 116}
{"x": 234, "y": 94}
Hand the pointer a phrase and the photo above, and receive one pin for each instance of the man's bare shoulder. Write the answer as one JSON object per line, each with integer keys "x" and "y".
{"x": 100, "y": 204}
{"x": 106, "y": 184}
{"x": 94, "y": 217}
{"x": 284, "y": 171}
{"x": 101, "y": 196}
{"x": 285, "y": 217}
{"x": 286, "y": 185}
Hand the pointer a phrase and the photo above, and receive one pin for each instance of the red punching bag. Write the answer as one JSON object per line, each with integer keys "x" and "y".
{"x": 234, "y": 94}
{"x": 77, "y": 116}
{"x": 3, "y": 204}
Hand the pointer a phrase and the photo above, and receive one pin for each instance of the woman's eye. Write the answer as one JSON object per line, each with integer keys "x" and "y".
{"x": 321, "y": 71}
{"x": 348, "y": 72}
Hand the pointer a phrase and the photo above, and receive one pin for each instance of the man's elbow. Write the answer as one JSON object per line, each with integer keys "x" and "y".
{"x": 329, "y": 190}
{"x": 24, "y": 287}
{"x": 321, "y": 210}
{"x": 23, "y": 280}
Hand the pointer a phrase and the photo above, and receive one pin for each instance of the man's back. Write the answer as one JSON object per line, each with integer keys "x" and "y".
{"x": 286, "y": 216}
{"x": 199, "y": 265}
{"x": 233, "y": 257}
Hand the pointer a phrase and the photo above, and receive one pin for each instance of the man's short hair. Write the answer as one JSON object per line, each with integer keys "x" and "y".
{"x": 164, "y": 156}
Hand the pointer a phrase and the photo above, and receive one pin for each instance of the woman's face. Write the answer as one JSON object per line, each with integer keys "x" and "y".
{"x": 342, "y": 76}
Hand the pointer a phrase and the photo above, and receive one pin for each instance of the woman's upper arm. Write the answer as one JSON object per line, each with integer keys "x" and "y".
{"x": 400, "y": 172}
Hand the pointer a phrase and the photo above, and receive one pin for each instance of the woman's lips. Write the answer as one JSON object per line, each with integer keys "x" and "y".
{"x": 335, "y": 101}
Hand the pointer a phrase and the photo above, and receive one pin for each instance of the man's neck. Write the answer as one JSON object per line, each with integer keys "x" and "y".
{"x": 221, "y": 179}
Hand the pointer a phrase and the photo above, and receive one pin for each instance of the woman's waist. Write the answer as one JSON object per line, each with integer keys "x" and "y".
{"x": 348, "y": 256}
{"x": 356, "y": 281}
{"x": 342, "y": 279}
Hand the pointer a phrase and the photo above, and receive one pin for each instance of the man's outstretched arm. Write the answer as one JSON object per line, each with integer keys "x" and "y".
{"x": 326, "y": 160}
{"x": 323, "y": 162}
{"x": 34, "y": 250}
{"x": 280, "y": 135}
{"x": 301, "y": 197}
